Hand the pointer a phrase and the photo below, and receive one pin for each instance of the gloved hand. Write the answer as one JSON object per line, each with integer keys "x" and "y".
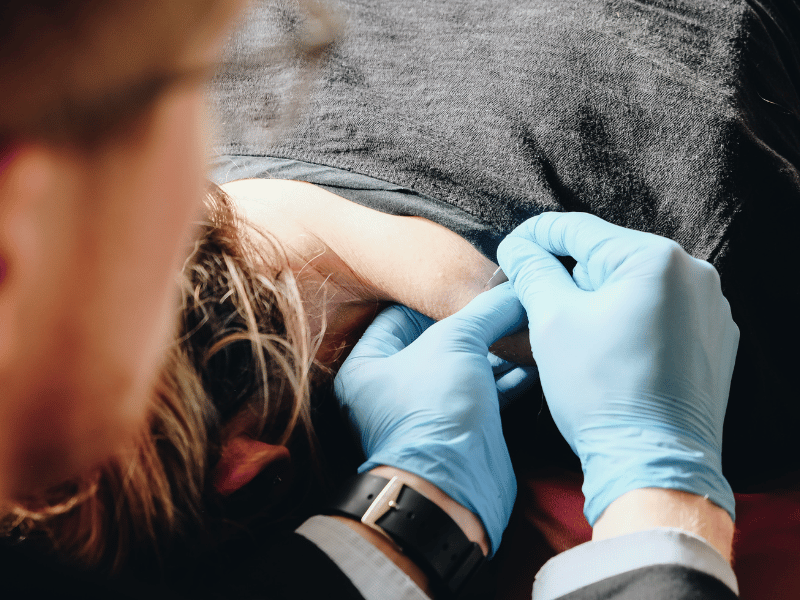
{"x": 512, "y": 381}
{"x": 430, "y": 406}
{"x": 635, "y": 354}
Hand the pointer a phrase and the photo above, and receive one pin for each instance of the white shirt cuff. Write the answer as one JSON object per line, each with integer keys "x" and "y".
{"x": 373, "y": 574}
{"x": 595, "y": 561}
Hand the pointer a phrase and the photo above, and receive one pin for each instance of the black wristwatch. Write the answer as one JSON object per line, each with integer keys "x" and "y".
{"x": 422, "y": 530}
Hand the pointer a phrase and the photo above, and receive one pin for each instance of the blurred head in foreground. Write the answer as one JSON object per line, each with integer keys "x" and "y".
{"x": 140, "y": 388}
{"x": 102, "y": 162}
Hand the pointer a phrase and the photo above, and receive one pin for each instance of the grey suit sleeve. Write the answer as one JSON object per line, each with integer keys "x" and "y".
{"x": 594, "y": 562}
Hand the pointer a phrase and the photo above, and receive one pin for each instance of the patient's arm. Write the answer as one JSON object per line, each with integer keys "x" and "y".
{"x": 353, "y": 260}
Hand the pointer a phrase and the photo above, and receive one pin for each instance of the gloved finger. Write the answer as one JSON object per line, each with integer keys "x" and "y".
{"x": 599, "y": 246}
{"x": 581, "y": 278}
{"x": 500, "y": 365}
{"x": 487, "y": 318}
{"x": 515, "y": 383}
{"x": 391, "y": 331}
{"x": 579, "y": 235}
{"x": 538, "y": 277}
{"x": 731, "y": 342}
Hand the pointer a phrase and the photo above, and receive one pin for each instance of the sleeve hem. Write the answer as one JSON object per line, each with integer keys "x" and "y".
{"x": 371, "y": 572}
{"x": 594, "y": 561}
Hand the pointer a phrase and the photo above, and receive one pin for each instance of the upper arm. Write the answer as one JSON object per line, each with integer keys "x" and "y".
{"x": 351, "y": 259}
{"x": 408, "y": 260}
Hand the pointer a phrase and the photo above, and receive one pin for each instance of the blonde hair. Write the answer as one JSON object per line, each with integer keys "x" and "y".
{"x": 243, "y": 346}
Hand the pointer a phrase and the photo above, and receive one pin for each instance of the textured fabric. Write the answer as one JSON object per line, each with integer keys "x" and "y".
{"x": 372, "y": 573}
{"x": 595, "y": 561}
{"x": 681, "y": 118}
{"x": 662, "y": 582}
{"x": 370, "y": 192}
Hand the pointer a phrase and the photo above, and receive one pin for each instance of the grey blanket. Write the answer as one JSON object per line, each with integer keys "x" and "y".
{"x": 681, "y": 118}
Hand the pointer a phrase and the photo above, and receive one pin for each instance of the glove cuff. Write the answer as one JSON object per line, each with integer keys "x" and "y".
{"x": 644, "y": 459}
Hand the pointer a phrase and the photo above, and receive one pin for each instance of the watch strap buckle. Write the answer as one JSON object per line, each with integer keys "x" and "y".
{"x": 415, "y": 525}
{"x": 385, "y": 501}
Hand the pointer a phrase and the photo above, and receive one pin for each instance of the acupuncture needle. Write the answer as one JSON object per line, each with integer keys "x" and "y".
{"x": 496, "y": 279}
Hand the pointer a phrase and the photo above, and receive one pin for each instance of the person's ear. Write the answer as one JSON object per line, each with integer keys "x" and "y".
{"x": 244, "y": 458}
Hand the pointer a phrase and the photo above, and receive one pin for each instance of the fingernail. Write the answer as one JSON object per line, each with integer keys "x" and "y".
{"x": 497, "y": 278}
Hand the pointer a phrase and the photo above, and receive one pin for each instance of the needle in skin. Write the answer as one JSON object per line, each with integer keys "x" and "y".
{"x": 496, "y": 279}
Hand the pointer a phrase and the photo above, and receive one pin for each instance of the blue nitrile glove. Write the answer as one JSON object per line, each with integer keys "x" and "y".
{"x": 512, "y": 380}
{"x": 430, "y": 406}
{"x": 635, "y": 354}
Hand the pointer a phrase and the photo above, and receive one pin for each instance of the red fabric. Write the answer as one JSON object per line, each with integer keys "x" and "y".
{"x": 548, "y": 519}
{"x": 766, "y": 546}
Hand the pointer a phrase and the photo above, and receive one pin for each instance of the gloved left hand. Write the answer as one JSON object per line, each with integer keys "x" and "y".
{"x": 430, "y": 406}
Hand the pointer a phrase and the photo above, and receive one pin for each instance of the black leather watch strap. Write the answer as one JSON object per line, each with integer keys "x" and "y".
{"x": 425, "y": 532}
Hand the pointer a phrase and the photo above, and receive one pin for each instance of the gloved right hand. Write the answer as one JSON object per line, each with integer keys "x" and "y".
{"x": 635, "y": 353}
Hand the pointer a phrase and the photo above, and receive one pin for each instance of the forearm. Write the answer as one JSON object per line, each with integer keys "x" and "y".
{"x": 355, "y": 259}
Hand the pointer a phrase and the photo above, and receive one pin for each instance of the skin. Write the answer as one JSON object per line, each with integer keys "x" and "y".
{"x": 646, "y": 508}
{"x": 352, "y": 261}
{"x": 92, "y": 240}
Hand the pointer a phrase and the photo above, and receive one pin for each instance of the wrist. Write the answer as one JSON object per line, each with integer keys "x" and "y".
{"x": 648, "y": 508}
{"x": 636, "y": 458}
{"x": 468, "y": 521}
{"x": 391, "y": 550}
{"x": 415, "y": 532}
{"x": 484, "y": 489}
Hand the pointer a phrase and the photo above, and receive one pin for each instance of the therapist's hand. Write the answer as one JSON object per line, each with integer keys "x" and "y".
{"x": 635, "y": 353}
{"x": 423, "y": 398}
